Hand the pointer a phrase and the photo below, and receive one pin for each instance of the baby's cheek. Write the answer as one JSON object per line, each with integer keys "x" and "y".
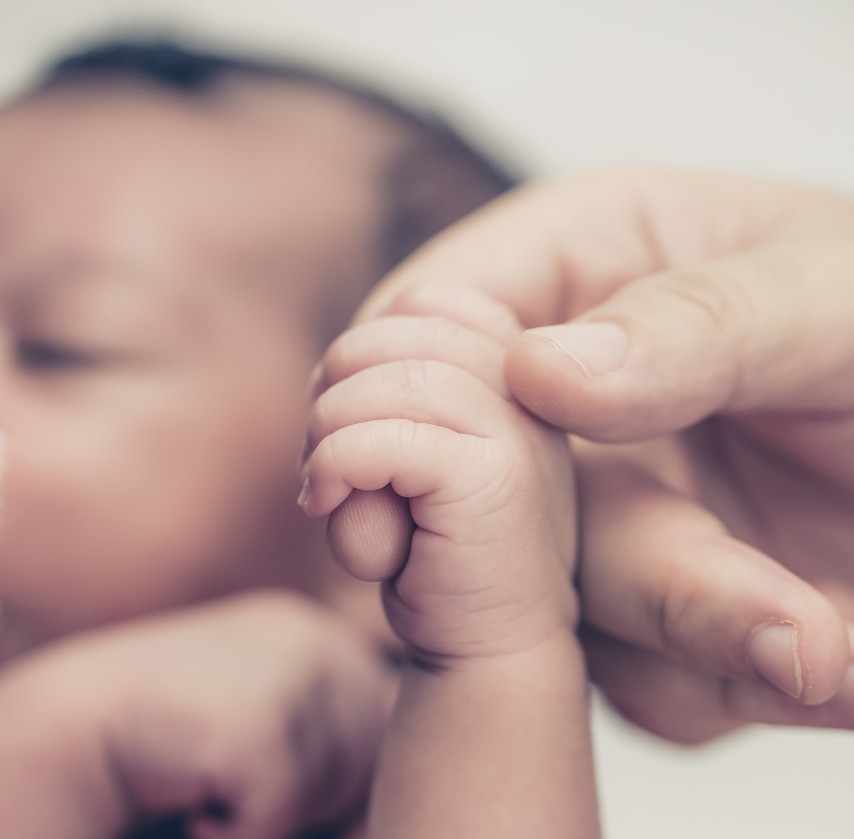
{"x": 45, "y": 564}
{"x": 115, "y": 508}
{"x": 95, "y": 532}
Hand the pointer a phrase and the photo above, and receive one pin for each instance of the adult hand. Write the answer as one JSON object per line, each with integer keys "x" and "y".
{"x": 711, "y": 335}
{"x": 253, "y": 718}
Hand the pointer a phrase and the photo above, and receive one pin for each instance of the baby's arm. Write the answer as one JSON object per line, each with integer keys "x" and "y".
{"x": 233, "y": 716}
{"x": 490, "y": 733}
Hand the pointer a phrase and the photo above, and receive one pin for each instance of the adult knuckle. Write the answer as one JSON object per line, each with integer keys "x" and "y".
{"x": 672, "y": 610}
{"x": 699, "y": 294}
{"x": 724, "y": 309}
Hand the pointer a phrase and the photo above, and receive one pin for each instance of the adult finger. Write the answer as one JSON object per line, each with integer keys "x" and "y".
{"x": 551, "y": 250}
{"x": 689, "y": 706}
{"x": 769, "y": 329}
{"x": 659, "y": 571}
{"x": 691, "y": 297}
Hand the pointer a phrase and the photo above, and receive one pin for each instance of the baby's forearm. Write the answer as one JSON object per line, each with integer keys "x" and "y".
{"x": 496, "y": 747}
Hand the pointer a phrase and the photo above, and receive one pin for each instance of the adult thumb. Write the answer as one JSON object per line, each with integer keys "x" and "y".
{"x": 765, "y": 330}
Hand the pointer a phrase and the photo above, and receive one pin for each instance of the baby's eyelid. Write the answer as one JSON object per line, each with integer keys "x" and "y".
{"x": 37, "y": 354}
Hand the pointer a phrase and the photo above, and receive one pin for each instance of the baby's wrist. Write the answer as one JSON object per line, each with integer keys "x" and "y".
{"x": 557, "y": 647}
{"x": 502, "y": 633}
{"x": 551, "y": 676}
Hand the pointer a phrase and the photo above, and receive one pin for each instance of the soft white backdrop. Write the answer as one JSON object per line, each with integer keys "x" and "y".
{"x": 755, "y": 85}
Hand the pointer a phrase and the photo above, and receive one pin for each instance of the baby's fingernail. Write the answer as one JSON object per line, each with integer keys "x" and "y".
{"x": 597, "y": 348}
{"x": 304, "y": 493}
{"x": 772, "y": 652}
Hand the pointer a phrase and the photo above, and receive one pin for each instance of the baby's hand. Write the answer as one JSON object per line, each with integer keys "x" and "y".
{"x": 418, "y": 402}
{"x": 253, "y": 718}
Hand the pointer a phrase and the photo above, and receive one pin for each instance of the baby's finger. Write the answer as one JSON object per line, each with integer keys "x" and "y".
{"x": 371, "y": 530}
{"x": 662, "y": 572}
{"x": 413, "y": 389}
{"x": 688, "y": 706}
{"x": 417, "y": 459}
{"x": 462, "y": 304}
{"x": 400, "y": 337}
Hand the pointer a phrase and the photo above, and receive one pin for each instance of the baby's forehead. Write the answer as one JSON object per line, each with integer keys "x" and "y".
{"x": 259, "y": 163}
{"x": 257, "y": 192}
{"x": 320, "y": 183}
{"x": 249, "y": 125}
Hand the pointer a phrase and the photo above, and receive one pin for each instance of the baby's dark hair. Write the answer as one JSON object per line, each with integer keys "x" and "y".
{"x": 436, "y": 179}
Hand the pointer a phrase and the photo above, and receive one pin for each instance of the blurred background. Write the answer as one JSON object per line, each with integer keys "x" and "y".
{"x": 750, "y": 85}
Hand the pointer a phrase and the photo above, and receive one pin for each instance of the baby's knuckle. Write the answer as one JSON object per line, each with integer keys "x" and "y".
{"x": 332, "y": 453}
{"x": 401, "y": 433}
{"x": 418, "y": 299}
{"x": 442, "y": 331}
{"x": 321, "y": 418}
{"x": 339, "y": 360}
{"x": 413, "y": 377}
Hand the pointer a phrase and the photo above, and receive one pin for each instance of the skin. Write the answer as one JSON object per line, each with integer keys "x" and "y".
{"x": 160, "y": 319}
{"x": 244, "y": 707}
{"x": 94, "y": 420}
{"x": 489, "y": 736}
{"x": 709, "y": 334}
{"x": 151, "y": 334}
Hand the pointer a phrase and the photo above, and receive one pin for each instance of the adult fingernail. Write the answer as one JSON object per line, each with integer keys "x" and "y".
{"x": 597, "y": 348}
{"x": 772, "y": 652}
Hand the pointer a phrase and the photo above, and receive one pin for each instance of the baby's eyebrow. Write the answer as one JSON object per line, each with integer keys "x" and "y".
{"x": 84, "y": 265}
{"x": 150, "y": 293}
{"x": 83, "y": 270}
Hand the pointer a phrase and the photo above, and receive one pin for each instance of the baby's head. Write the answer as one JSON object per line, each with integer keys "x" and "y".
{"x": 180, "y": 235}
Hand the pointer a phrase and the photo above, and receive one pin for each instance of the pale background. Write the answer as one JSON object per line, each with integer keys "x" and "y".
{"x": 744, "y": 84}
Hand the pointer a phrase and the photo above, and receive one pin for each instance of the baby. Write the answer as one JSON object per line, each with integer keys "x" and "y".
{"x": 170, "y": 273}
{"x": 182, "y": 234}
{"x": 489, "y": 734}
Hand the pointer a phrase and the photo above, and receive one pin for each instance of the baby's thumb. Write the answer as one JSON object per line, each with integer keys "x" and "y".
{"x": 370, "y": 532}
{"x": 764, "y": 330}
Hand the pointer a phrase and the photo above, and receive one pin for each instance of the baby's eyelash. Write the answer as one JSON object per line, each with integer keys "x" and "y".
{"x": 43, "y": 356}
